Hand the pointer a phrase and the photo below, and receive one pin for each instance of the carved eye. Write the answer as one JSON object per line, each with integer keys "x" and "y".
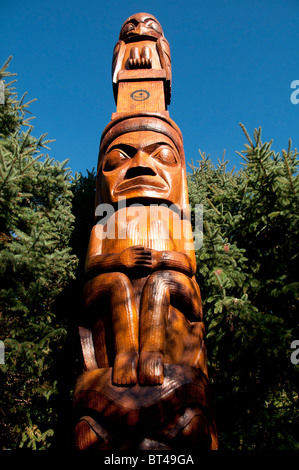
{"x": 154, "y": 25}
{"x": 113, "y": 159}
{"x": 127, "y": 28}
{"x": 166, "y": 155}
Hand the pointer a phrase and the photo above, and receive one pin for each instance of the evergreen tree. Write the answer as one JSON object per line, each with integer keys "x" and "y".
{"x": 248, "y": 273}
{"x": 83, "y": 209}
{"x": 36, "y": 265}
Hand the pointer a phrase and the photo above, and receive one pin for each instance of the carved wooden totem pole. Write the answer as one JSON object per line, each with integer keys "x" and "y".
{"x": 145, "y": 383}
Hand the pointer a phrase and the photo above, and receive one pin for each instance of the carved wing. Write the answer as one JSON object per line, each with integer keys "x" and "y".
{"x": 118, "y": 55}
{"x": 165, "y": 58}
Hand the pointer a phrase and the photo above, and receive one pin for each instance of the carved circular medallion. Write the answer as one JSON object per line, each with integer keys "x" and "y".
{"x": 140, "y": 95}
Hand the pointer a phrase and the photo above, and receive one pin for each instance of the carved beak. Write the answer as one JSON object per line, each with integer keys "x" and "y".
{"x": 141, "y": 29}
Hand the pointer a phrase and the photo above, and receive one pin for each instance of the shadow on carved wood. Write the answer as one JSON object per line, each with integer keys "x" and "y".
{"x": 145, "y": 383}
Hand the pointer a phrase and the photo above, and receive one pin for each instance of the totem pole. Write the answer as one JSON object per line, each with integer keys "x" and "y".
{"x": 145, "y": 384}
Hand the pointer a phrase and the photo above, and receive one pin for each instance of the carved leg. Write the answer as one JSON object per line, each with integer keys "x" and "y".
{"x": 161, "y": 289}
{"x": 118, "y": 288}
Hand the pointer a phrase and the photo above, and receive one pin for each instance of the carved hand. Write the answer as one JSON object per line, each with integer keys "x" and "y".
{"x": 171, "y": 260}
{"x": 136, "y": 256}
{"x": 139, "y": 256}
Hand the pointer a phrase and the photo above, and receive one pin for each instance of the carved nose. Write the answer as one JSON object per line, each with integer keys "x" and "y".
{"x": 141, "y": 165}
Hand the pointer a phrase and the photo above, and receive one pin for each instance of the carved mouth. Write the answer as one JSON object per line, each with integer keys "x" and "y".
{"x": 132, "y": 36}
{"x": 142, "y": 181}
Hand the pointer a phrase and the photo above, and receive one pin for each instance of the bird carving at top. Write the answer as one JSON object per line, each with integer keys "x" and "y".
{"x": 142, "y": 45}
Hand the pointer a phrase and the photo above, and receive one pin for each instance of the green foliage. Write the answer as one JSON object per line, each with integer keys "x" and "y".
{"x": 248, "y": 273}
{"x": 84, "y": 212}
{"x": 36, "y": 265}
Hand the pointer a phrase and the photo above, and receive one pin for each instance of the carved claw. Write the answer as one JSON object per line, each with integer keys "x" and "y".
{"x": 134, "y": 58}
{"x": 139, "y": 60}
{"x": 151, "y": 368}
{"x": 134, "y": 53}
{"x": 146, "y": 59}
{"x": 146, "y": 63}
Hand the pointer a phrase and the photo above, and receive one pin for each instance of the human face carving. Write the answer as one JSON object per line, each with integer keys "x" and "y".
{"x": 143, "y": 164}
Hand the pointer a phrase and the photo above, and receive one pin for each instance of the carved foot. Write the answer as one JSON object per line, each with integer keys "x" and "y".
{"x": 137, "y": 62}
{"x": 151, "y": 368}
{"x": 125, "y": 368}
{"x": 146, "y": 60}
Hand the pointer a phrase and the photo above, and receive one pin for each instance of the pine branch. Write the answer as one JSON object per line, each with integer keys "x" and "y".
{"x": 10, "y": 83}
{"x": 212, "y": 205}
{"x": 285, "y": 157}
{"x": 222, "y": 161}
{"x": 3, "y": 72}
{"x": 247, "y": 135}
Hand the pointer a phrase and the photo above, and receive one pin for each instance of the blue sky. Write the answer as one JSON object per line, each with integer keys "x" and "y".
{"x": 232, "y": 61}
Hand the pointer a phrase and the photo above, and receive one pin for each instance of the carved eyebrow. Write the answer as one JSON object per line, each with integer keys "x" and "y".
{"x": 127, "y": 149}
{"x": 133, "y": 20}
{"x": 130, "y": 150}
{"x": 150, "y": 19}
{"x": 152, "y": 147}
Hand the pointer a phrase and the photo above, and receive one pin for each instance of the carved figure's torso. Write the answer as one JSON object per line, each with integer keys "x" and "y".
{"x": 157, "y": 228}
